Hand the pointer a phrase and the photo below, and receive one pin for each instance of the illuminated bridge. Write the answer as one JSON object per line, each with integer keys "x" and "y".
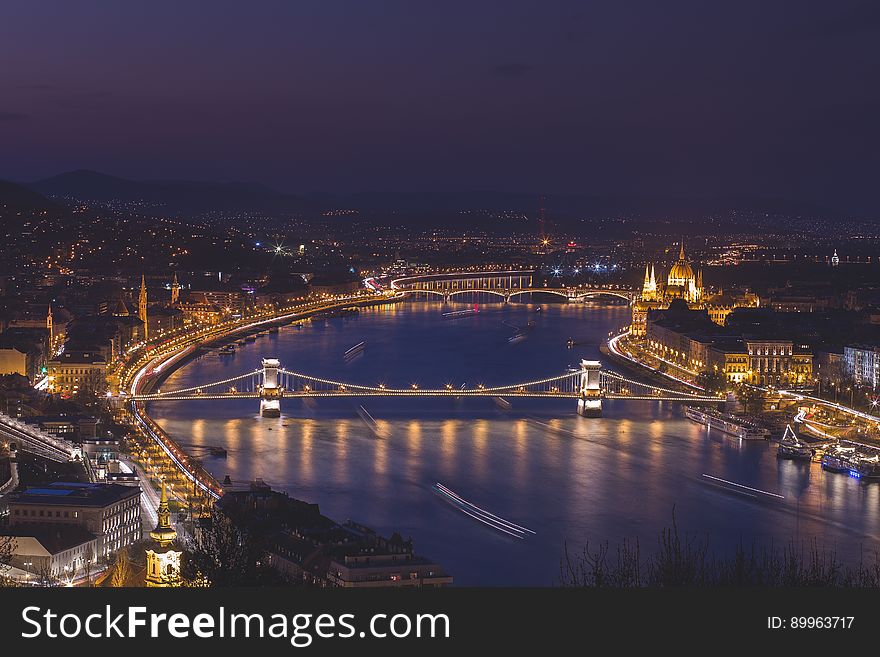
{"x": 505, "y": 284}
{"x": 589, "y": 385}
{"x": 29, "y": 438}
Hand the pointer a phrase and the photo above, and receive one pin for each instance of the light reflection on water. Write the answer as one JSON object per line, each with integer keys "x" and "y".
{"x": 540, "y": 465}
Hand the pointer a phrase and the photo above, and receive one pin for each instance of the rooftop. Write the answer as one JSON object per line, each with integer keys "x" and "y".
{"x": 54, "y": 539}
{"x": 74, "y": 494}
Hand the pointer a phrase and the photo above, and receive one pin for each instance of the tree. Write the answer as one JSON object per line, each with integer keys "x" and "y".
{"x": 222, "y": 552}
{"x": 712, "y": 380}
{"x": 751, "y": 398}
{"x": 7, "y": 549}
{"x": 121, "y": 570}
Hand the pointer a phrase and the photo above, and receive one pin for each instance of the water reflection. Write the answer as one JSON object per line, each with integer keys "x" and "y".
{"x": 569, "y": 478}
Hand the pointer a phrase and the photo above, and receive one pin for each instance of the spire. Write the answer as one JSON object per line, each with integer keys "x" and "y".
{"x": 142, "y": 306}
{"x": 647, "y": 278}
{"x": 51, "y": 327}
{"x": 164, "y": 533}
{"x": 653, "y": 278}
{"x": 681, "y": 253}
{"x": 175, "y": 290}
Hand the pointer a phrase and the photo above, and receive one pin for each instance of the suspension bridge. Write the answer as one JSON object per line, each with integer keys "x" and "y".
{"x": 504, "y": 284}
{"x": 589, "y": 384}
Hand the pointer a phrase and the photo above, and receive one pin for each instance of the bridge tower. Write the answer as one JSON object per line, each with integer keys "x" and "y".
{"x": 590, "y": 400}
{"x": 271, "y": 390}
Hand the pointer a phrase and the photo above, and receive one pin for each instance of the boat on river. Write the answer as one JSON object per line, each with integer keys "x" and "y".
{"x": 790, "y": 447}
{"x": 839, "y": 459}
{"x": 728, "y": 423}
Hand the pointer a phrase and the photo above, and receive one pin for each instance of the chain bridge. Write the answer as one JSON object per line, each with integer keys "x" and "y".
{"x": 589, "y": 384}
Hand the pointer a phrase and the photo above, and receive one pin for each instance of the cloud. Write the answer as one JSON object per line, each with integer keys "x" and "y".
{"x": 12, "y": 116}
{"x": 510, "y": 70}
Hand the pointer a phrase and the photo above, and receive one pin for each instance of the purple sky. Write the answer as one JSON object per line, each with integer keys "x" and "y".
{"x": 625, "y": 96}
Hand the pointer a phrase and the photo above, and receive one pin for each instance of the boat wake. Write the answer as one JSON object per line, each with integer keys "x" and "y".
{"x": 477, "y": 513}
{"x": 741, "y": 489}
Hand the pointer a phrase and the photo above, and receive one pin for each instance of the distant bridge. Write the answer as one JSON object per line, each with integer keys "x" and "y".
{"x": 28, "y": 438}
{"x": 504, "y": 284}
{"x": 589, "y": 385}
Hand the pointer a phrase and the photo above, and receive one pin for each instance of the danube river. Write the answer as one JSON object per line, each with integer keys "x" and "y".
{"x": 537, "y": 464}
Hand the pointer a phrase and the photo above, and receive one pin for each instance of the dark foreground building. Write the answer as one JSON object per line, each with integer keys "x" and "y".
{"x": 305, "y": 545}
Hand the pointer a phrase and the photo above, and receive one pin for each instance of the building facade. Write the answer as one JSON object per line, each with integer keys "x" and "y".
{"x": 111, "y": 512}
{"x": 861, "y": 365}
{"x": 686, "y": 338}
{"x": 73, "y": 372}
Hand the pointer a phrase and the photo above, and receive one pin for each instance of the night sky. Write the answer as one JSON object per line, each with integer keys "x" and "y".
{"x": 683, "y": 98}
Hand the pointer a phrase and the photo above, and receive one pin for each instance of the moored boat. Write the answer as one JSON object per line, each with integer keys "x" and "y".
{"x": 790, "y": 447}
{"x": 839, "y": 459}
{"x": 728, "y": 423}
{"x": 868, "y": 467}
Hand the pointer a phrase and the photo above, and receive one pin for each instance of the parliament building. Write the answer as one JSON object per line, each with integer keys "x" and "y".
{"x": 683, "y": 283}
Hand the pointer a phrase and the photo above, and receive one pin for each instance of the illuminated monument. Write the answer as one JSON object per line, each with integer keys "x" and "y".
{"x": 163, "y": 562}
{"x": 683, "y": 283}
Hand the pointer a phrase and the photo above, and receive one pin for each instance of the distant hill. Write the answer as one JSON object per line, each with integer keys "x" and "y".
{"x": 572, "y": 205}
{"x": 174, "y": 195}
{"x": 444, "y": 208}
{"x": 19, "y": 197}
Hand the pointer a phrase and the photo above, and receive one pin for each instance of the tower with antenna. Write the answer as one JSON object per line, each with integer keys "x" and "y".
{"x": 542, "y": 217}
{"x": 142, "y": 306}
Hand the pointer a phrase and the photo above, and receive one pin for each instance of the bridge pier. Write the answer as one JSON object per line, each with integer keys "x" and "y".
{"x": 590, "y": 400}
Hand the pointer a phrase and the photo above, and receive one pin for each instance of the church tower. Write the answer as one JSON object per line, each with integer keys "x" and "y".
{"x": 175, "y": 290}
{"x": 142, "y": 306}
{"x": 163, "y": 562}
{"x": 51, "y": 329}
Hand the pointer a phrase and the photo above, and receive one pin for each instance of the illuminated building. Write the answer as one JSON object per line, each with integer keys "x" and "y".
{"x": 778, "y": 362}
{"x": 163, "y": 562}
{"x": 682, "y": 283}
{"x": 861, "y": 365}
{"x": 687, "y": 339}
{"x": 111, "y": 512}
{"x": 77, "y": 371}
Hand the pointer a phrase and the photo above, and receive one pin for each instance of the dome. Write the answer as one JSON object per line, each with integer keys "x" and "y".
{"x": 681, "y": 271}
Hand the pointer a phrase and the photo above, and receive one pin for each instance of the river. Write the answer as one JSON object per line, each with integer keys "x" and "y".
{"x": 569, "y": 479}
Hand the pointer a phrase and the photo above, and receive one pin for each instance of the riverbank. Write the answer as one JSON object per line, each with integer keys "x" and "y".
{"x": 151, "y": 371}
